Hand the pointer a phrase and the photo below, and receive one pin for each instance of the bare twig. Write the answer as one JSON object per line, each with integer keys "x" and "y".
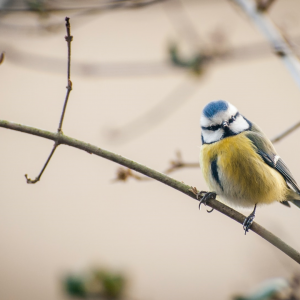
{"x": 285, "y": 133}
{"x": 178, "y": 163}
{"x": 124, "y": 173}
{"x": 44, "y": 167}
{"x": 62, "y": 139}
{"x": 68, "y": 39}
{"x": 272, "y": 34}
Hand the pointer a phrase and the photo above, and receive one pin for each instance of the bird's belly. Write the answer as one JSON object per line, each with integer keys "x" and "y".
{"x": 244, "y": 178}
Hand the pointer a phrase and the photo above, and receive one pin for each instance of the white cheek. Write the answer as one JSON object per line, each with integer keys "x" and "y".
{"x": 239, "y": 125}
{"x": 210, "y": 136}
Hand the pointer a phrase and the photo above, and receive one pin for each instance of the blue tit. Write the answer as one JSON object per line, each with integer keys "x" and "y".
{"x": 240, "y": 164}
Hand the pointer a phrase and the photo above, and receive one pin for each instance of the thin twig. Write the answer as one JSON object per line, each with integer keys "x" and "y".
{"x": 272, "y": 34}
{"x": 68, "y": 39}
{"x": 285, "y": 133}
{"x": 62, "y": 139}
{"x": 177, "y": 166}
{"x": 124, "y": 173}
{"x": 178, "y": 163}
{"x": 43, "y": 169}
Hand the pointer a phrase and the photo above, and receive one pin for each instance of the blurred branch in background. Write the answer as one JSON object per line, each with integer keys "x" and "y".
{"x": 179, "y": 96}
{"x": 272, "y": 34}
{"x": 51, "y": 6}
{"x": 130, "y": 69}
{"x": 183, "y": 25}
{"x": 285, "y": 133}
{"x": 174, "y": 65}
{"x": 179, "y": 163}
{"x": 123, "y": 174}
{"x": 46, "y": 11}
{"x": 97, "y": 283}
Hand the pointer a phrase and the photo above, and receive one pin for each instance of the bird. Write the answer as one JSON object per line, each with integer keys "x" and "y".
{"x": 240, "y": 164}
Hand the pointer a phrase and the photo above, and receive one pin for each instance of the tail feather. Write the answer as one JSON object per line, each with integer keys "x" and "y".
{"x": 296, "y": 202}
{"x": 285, "y": 203}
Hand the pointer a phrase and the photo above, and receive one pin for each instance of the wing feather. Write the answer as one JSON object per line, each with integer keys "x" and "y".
{"x": 266, "y": 150}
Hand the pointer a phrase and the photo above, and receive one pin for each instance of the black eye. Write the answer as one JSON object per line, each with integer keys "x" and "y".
{"x": 231, "y": 119}
{"x": 214, "y": 127}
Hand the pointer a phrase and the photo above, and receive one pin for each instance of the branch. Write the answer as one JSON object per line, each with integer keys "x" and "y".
{"x": 285, "y": 133}
{"x": 68, "y": 39}
{"x": 231, "y": 213}
{"x": 178, "y": 163}
{"x": 272, "y": 34}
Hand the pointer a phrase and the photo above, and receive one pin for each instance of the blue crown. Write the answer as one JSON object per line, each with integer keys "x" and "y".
{"x": 214, "y": 107}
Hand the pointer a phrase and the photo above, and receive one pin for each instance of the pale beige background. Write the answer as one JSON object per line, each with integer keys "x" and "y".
{"x": 75, "y": 217}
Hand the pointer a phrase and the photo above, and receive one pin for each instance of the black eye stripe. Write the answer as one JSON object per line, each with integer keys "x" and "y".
{"x": 216, "y": 127}
{"x": 212, "y": 128}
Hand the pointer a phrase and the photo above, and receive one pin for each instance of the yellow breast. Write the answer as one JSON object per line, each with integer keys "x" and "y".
{"x": 246, "y": 179}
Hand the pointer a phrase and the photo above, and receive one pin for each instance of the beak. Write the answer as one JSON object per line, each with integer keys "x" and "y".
{"x": 225, "y": 125}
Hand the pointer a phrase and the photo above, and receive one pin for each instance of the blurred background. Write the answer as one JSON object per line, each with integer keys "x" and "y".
{"x": 142, "y": 71}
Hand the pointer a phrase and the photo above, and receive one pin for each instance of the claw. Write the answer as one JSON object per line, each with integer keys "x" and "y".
{"x": 210, "y": 211}
{"x": 206, "y": 197}
{"x": 249, "y": 220}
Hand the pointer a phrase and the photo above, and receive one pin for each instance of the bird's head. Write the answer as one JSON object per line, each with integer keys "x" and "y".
{"x": 219, "y": 120}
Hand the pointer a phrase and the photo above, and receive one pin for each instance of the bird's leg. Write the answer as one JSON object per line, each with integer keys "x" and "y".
{"x": 207, "y": 196}
{"x": 249, "y": 220}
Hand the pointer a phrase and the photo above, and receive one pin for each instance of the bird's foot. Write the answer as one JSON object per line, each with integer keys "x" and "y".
{"x": 207, "y": 196}
{"x": 249, "y": 220}
{"x": 200, "y": 194}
